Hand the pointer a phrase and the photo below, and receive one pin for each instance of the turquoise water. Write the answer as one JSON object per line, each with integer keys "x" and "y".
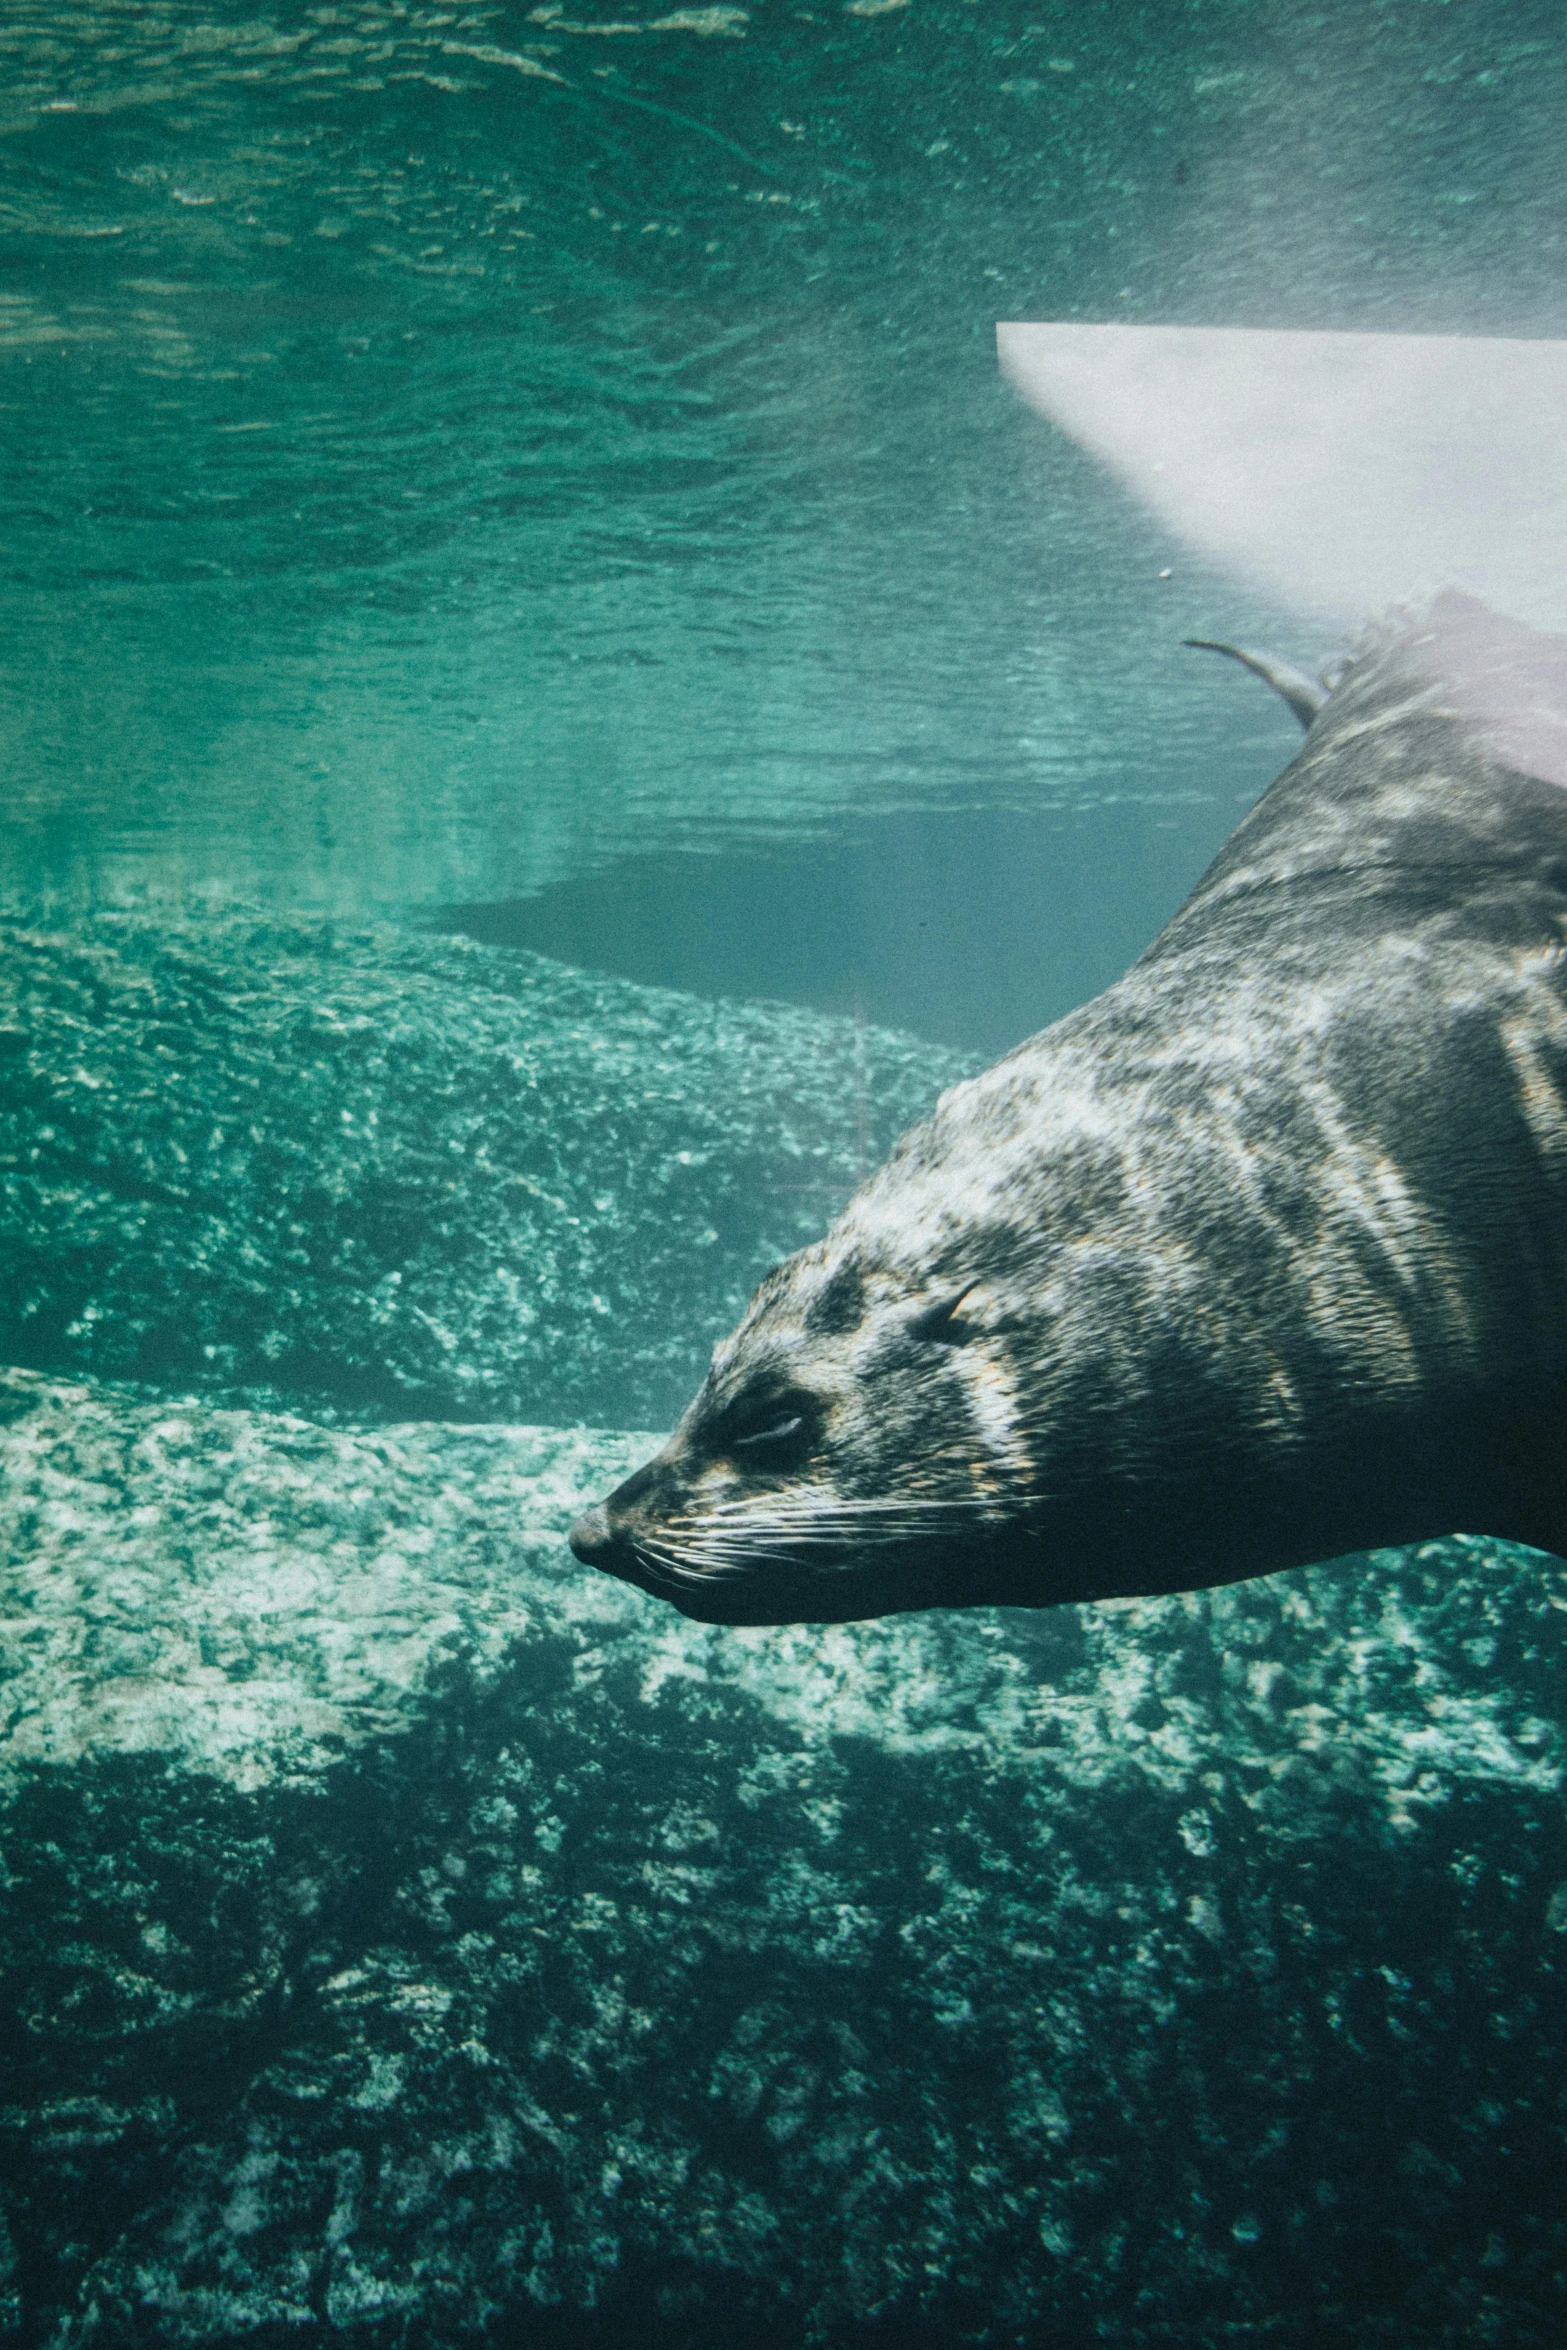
{"x": 552, "y": 700}
{"x": 448, "y": 451}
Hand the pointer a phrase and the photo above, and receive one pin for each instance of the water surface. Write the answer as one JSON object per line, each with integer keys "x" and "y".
{"x": 449, "y": 452}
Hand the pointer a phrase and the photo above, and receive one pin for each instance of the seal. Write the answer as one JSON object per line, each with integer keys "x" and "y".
{"x": 1259, "y": 1258}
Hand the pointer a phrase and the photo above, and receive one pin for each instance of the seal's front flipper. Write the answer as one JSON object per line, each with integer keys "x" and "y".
{"x": 1304, "y": 695}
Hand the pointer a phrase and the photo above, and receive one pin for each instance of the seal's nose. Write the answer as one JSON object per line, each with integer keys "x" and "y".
{"x": 591, "y": 1538}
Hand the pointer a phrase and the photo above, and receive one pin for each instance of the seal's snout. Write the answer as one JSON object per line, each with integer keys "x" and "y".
{"x": 591, "y": 1538}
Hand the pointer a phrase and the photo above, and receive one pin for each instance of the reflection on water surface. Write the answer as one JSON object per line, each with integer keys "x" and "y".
{"x": 446, "y": 449}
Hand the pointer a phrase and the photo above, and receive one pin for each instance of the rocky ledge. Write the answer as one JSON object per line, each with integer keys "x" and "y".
{"x": 411, "y": 1939}
{"x": 365, "y": 1173}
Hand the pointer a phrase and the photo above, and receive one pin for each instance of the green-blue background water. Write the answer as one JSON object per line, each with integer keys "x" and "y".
{"x": 451, "y": 453}
{"x": 512, "y": 479}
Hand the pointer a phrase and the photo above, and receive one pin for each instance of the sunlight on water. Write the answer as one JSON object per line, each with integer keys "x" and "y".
{"x": 1345, "y": 473}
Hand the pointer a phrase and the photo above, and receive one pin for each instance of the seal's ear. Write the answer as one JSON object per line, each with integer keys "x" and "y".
{"x": 1303, "y": 694}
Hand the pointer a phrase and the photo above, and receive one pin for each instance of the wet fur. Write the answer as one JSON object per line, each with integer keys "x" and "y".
{"x": 1258, "y": 1258}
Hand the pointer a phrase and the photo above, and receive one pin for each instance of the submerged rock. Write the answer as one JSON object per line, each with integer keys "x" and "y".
{"x": 372, "y": 1173}
{"x": 410, "y": 1938}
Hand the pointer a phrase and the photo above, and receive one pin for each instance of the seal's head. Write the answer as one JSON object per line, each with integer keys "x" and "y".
{"x": 852, "y": 1452}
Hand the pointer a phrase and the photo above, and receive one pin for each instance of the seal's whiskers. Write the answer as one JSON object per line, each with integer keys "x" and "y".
{"x": 819, "y": 1530}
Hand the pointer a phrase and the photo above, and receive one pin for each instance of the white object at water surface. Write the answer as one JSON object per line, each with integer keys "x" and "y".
{"x": 1342, "y": 472}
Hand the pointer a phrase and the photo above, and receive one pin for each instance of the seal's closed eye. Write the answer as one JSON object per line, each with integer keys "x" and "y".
{"x": 772, "y": 1423}
{"x": 941, "y": 1326}
{"x": 778, "y": 1434}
